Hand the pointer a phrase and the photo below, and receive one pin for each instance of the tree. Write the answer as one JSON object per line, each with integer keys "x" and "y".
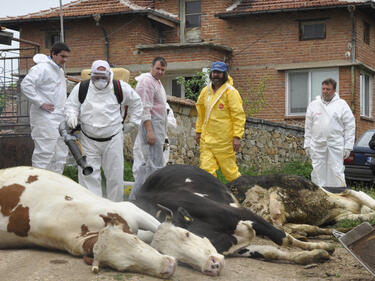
{"x": 193, "y": 85}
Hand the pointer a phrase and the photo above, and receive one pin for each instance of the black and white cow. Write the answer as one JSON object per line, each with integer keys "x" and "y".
{"x": 298, "y": 205}
{"x": 39, "y": 207}
{"x": 202, "y": 204}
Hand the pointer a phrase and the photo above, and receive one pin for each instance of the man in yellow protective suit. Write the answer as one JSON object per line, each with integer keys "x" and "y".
{"x": 220, "y": 123}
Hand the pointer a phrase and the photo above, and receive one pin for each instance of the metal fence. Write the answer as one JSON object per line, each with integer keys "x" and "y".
{"x": 16, "y": 145}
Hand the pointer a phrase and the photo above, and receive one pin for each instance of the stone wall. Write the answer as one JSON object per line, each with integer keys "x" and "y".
{"x": 265, "y": 144}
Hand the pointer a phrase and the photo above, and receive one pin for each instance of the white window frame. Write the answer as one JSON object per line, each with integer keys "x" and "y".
{"x": 362, "y": 94}
{"x": 310, "y": 71}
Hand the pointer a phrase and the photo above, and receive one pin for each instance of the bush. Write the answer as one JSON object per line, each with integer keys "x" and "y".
{"x": 194, "y": 85}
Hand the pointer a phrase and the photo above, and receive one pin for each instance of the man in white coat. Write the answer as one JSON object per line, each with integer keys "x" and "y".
{"x": 137, "y": 148}
{"x": 152, "y": 131}
{"x": 45, "y": 87}
{"x": 329, "y": 136}
{"x": 102, "y": 129}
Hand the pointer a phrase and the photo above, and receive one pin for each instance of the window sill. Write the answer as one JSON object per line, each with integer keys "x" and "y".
{"x": 367, "y": 118}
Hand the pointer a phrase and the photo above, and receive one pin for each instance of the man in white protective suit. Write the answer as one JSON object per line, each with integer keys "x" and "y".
{"x": 152, "y": 131}
{"x": 137, "y": 149}
{"x": 101, "y": 135}
{"x": 329, "y": 136}
{"x": 45, "y": 87}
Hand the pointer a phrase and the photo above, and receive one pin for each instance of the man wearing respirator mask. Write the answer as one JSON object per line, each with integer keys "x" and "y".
{"x": 101, "y": 127}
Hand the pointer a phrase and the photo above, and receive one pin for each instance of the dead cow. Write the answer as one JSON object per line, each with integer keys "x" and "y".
{"x": 203, "y": 205}
{"x": 299, "y": 205}
{"x": 39, "y": 207}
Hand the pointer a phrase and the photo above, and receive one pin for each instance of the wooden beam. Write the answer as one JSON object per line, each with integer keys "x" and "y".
{"x": 161, "y": 20}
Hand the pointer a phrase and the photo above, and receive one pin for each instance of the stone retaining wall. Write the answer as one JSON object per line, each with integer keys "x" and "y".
{"x": 265, "y": 144}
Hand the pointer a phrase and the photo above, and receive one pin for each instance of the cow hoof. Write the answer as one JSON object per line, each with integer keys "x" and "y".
{"x": 95, "y": 269}
{"x": 331, "y": 249}
{"x": 169, "y": 268}
{"x": 314, "y": 256}
{"x": 214, "y": 266}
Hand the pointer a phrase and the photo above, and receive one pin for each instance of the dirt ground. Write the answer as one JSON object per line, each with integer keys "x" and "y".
{"x": 45, "y": 265}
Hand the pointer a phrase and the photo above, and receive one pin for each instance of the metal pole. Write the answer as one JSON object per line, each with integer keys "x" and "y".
{"x": 61, "y": 24}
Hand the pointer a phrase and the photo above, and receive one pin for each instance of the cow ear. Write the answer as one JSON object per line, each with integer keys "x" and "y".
{"x": 107, "y": 219}
{"x": 110, "y": 220}
{"x": 183, "y": 217}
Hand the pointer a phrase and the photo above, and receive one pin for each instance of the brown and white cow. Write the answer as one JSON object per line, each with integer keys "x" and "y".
{"x": 299, "y": 205}
{"x": 202, "y": 204}
{"x": 39, "y": 207}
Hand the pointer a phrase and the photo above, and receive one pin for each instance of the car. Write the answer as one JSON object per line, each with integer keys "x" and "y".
{"x": 360, "y": 165}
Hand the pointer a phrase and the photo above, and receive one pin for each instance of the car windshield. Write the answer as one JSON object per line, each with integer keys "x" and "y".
{"x": 364, "y": 140}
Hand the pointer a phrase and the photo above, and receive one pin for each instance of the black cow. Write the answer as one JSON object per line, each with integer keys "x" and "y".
{"x": 202, "y": 204}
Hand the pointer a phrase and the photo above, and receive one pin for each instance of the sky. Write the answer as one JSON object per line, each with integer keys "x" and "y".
{"x": 23, "y": 7}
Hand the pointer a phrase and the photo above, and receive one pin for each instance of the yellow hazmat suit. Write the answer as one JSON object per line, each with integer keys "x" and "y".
{"x": 220, "y": 118}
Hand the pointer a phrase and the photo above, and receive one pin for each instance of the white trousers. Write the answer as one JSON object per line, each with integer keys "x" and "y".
{"x": 109, "y": 156}
{"x": 152, "y": 155}
{"x": 328, "y": 166}
{"x": 50, "y": 154}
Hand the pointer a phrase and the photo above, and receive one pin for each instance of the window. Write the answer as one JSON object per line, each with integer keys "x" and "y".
{"x": 310, "y": 30}
{"x": 366, "y": 32}
{"x": 366, "y": 82}
{"x": 172, "y": 88}
{"x": 303, "y": 86}
{"x": 52, "y": 37}
{"x": 192, "y": 14}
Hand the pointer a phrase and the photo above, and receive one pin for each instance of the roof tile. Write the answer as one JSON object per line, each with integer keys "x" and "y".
{"x": 250, "y": 6}
{"x": 88, "y": 7}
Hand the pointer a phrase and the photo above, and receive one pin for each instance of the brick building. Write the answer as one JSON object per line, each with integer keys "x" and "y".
{"x": 291, "y": 45}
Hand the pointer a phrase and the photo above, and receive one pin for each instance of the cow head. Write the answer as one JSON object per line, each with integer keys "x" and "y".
{"x": 126, "y": 252}
{"x": 188, "y": 248}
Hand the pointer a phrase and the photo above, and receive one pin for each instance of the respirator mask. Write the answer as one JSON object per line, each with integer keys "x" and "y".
{"x": 100, "y": 84}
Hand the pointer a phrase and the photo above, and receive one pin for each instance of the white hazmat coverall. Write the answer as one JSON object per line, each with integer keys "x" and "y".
{"x": 329, "y": 131}
{"x": 101, "y": 118}
{"x": 137, "y": 149}
{"x": 45, "y": 84}
{"x": 154, "y": 109}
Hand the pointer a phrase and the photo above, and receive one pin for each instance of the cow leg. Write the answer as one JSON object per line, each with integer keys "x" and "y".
{"x": 289, "y": 240}
{"x": 363, "y": 198}
{"x": 272, "y": 253}
{"x": 309, "y": 230}
{"x": 361, "y": 217}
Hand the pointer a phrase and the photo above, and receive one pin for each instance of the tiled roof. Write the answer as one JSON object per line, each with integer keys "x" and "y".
{"x": 80, "y": 8}
{"x": 259, "y": 6}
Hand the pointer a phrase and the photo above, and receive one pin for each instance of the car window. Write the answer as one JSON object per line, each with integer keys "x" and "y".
{"x": 364, "y": 140}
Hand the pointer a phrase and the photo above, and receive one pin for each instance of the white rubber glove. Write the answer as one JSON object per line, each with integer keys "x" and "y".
{"x": 308, "y": 151}
{"x": 346, "y": 153}
{"x": 71, "y": 120}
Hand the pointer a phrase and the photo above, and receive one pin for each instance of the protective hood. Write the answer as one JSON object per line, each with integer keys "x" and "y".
{"x": 230, "y": 80}
{"x": 41, "y": 58}
{"x": 143, "y": 75}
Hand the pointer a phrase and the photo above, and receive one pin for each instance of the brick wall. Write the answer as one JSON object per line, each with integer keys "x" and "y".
{"x": 259, "y": 43}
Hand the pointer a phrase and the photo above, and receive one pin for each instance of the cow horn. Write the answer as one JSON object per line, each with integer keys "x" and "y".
{"x": 168, "y": 216}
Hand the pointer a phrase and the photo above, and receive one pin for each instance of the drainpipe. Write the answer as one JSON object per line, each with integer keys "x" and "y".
{"x": 106, "y": 42}
{"x": 354, "y": 30}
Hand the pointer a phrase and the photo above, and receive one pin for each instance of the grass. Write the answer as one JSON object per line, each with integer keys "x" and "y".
{"x": 72, "y": 172}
